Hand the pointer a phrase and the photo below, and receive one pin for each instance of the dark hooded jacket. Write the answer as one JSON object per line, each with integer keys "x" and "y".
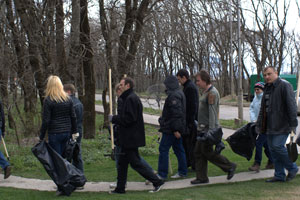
{"x": 174, "y": 112}
{"x": 131, "y": 132}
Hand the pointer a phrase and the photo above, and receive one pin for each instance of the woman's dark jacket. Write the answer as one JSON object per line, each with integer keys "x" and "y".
{"x": 58, "y": 117}
{"x": 192, "y": 102}
{"x": 174, "y": 112}
{"x": 131, "y": 132}
{"x": 281, "y": 117}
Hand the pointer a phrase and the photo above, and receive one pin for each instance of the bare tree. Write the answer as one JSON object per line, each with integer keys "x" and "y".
{"x": 88, "y": 99}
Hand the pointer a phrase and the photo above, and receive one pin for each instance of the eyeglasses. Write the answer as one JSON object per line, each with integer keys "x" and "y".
{"x": 256, "y": 89}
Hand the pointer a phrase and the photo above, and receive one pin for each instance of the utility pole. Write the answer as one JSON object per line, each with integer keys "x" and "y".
{"x": 240, "y": 85}
{"x": 231, "y": 59}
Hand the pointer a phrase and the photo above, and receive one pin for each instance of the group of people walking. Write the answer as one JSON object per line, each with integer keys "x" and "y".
{"x": 186, "y": 118}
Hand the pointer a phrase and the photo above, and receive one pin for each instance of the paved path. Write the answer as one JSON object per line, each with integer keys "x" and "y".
{"x": 48, "y": 185}
{"x": 153, "y": 120}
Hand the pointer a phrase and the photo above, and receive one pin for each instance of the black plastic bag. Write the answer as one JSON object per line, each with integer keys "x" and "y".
{"x": 65, "y": 175}
{"x": 212, "y": 136}
{"x": 242, "y": 142}
{"x": 292, "y": 151}
{"x": 71, "y": 152}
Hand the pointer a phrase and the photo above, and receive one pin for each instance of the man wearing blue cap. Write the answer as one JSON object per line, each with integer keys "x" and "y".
{"x": 261, "y": 140}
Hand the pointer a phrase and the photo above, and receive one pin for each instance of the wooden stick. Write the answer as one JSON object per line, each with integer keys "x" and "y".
{"x": 5, "y": 148}
{"x": 110, "y": 110}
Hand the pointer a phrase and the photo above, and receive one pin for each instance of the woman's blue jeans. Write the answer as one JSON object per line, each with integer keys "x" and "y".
{"x": 58, "y": 141}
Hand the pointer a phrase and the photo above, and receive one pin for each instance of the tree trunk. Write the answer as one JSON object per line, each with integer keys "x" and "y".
{"x": 60, "y": 42}
{"x": 88, "y": 72}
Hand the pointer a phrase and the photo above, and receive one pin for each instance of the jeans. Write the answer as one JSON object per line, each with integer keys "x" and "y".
{"x": 261, "y": 142}
{"x": 3, "y": 161}
{"x": 166, "y": 142}
{"x": 58, "y": 141}
{"x": 280, "y": 156}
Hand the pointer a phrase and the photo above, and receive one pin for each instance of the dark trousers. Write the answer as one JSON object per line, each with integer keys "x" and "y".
{"x": 261, "y": 142}
{"x": 189, "y": 143}
{"x": 132, "y": 157}
{"x": 204, "y": 152}
{"x": 78, "y": 163}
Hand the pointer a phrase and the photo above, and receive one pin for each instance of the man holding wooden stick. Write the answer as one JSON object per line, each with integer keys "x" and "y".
{"x": 131, "y": 136}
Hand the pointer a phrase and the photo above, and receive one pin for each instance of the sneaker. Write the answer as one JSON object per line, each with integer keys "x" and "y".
{"x": 254, "y": 167}
{"x": 114, "y": 185}
{"x": 157, "y": 188}
{"x": 177, "y": 175}
{"x": 7, "y": 172}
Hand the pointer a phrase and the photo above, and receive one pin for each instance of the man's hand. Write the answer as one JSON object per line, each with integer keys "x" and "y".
{"x": 177, "y": 134}
{"x": 110, "y": 118}
{"x": 75, "y": 136}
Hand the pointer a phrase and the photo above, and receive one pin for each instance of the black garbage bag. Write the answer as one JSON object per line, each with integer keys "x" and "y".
{"x": 242, "y": 142}
{"x": 213, "y": 136}
{"x": 292, "y": 150}
{"x": 71, "y": 152}
{"x": 65, "y": 175}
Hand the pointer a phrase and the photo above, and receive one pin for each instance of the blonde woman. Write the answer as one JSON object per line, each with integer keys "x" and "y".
{"x": 59, "y": 117}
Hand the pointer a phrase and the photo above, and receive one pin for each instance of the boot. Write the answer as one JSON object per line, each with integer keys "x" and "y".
{"x": 254, "y": 167}
{"x": 269, "y": 165}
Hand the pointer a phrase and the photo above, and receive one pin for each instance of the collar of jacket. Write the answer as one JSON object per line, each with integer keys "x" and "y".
{"x": 125, "y": 94}
{"x": 186, "y": 83}
{"x": 276, "y": 82}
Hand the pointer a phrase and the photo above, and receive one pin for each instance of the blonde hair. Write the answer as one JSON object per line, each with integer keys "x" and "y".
{"x": 55, "y": 89}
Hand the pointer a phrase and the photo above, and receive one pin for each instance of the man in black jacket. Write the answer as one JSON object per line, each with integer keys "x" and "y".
{"x": 78, "y": 107}
{"x": 191, "y": 93}
{"x": 131, "y": 136}
{"x": 172, "y": 125}
{"x": 277, "y": 118}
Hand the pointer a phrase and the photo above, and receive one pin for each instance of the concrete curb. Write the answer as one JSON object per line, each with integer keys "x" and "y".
{"x": 48, "y": 185}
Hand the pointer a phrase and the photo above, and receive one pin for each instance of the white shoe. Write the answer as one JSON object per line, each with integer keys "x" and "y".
{"x": 177, "y": 175}
{"x": 112, "y": 185}
{"x": 157, "y": 188}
